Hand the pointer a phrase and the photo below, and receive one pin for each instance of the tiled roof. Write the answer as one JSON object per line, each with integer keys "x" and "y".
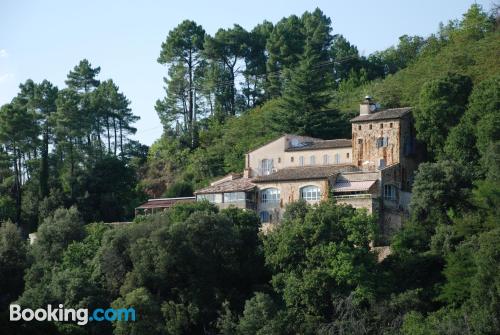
{"x": 393, "y": 113}
{"x": 353, "y": 186}
{"x": 304, "y": 172}
{"x": 322, "y": 144}
{"x": 164, "y": 202}
{"x": 236, "y": 185}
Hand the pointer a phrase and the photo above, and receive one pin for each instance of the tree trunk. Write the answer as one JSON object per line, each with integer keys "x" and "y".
{"x": 44, "y": 164}
{"x": 191, "y": 117}
{"x": 114, "y": 129}
{"x": 121, "y": 138}
{"x": 17, "y": 185}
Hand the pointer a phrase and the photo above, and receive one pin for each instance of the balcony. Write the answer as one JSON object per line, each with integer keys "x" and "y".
{"x": 244, "y": 204}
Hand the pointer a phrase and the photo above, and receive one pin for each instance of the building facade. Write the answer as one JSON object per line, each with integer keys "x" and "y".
{"x": 372, "y": 170}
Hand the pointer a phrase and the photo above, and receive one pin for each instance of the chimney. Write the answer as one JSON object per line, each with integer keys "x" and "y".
{"x": 367, "y": 106}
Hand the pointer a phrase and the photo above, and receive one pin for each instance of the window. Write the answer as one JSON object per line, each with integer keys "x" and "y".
{"x": 264, "y": 216}
{"x": 381, "y": 125}
{"x": 326, "y": 160}
{"x": 382, "y": 142}
{"x": 270, "y": 195}
{"x": 390, "y": 125}
{"x": 212, "y": 197}
{"x": 370, "y": 127}
{"x": 291, "y": 159}
{"x": 310, "y": 193}
{"x": 347, "y": 155}
{"x": 279, "y": 159}
{"x": 312, "y": 160}
{"x": 360, "y": 141}
{"x": 301, "y": 160}
{"x": 359, "y": 127}
{"x": 389, "y": 192}
{"x": 266, "y": 166}
{"x": 234, "y": 196}
{"x": 337, "y": 158}
{"x": 381, "y": 163}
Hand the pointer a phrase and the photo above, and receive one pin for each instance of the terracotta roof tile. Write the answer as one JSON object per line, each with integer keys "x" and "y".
{"x": 305, "y": 172}
{"x": 236, "y": 185}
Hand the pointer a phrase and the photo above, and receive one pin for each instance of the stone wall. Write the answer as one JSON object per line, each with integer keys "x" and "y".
{"x": 289, "y": 192}
{"x": 365, "y": 134}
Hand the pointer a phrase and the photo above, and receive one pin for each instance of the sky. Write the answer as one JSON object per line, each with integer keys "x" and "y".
{"x": 46, "y": 39}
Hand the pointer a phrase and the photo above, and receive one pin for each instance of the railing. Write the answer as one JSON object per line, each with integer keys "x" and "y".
{"x": 354, "y": 196}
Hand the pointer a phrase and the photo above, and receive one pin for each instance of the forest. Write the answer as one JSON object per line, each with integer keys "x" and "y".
{"x": 69, "y": 165}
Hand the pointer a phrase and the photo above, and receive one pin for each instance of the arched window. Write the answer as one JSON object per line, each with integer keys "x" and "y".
{"x": 264, "y": 216}
{"x": 310, "y": 193}
{"x": 270, "y": 195}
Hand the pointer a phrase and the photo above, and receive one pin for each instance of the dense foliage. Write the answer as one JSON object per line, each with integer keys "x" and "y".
{"x": 65, "y": 161}
{"x": 64, "y": 147}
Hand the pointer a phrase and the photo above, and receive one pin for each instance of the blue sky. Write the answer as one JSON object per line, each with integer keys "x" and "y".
{"x": 45, "y": 39}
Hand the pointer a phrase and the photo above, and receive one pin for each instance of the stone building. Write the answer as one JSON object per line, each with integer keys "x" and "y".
{"x": 373, "y": 170}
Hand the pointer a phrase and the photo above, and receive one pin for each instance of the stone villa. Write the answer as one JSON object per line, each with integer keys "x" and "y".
{"x": 373, "y": 170}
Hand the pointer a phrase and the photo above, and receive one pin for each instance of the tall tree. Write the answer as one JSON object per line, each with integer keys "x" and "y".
{"x": 46, "y": 95}
{"x": 228, "y": 47}
{"x": 19, "y": 134}
{"x": 255, "y": 63}
{"x": 305, "y": 93}
{"x": 82, "y": 79}
{"x": 182, "y": 50}
{"x": 284, "y": 46}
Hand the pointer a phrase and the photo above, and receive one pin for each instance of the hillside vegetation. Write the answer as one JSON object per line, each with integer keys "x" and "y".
{"x": 394, "y": 77}
{"x": 66, "y": 164}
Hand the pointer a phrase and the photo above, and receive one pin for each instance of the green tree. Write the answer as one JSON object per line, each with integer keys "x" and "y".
{"x": 182, "y": 51}
{"x": 227, "y": 47}
{"x": 442, "y": 103}
{"x": 13, "y": 262}
{"x": 319, "y": 257}
{"x": 19, "y": 135}
{"x": 284, "y": 45}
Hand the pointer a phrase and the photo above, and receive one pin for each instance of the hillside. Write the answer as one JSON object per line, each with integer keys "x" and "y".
{"x": 394, "y": 77}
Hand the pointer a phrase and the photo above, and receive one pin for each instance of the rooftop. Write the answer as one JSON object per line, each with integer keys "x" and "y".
{"x": 164, "y": 202}
{"x": 393, "y": 113}
{"x": 353, "y": 186}
{"x": 305, "y": 172}
{"x": 322, "y": 144}
{"x": 235, "y": 185}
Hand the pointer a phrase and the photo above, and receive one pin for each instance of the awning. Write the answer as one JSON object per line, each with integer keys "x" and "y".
{"x": 353, "y": 186}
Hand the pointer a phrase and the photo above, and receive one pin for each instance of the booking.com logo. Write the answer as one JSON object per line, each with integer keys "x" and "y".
{"x": 81, "y": 315}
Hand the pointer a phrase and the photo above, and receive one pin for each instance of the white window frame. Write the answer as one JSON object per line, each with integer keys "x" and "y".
{"x": 301, "y": 161}
{"x": 270, "y": 195}
{"x": 230, "y": 197}
{"x": 312, "y": 160}
{"x": 310, "y": 193}
{"x": 326, "y": 159}
{"x": 266, "y": 166}
{"x": 337, "y": 158}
